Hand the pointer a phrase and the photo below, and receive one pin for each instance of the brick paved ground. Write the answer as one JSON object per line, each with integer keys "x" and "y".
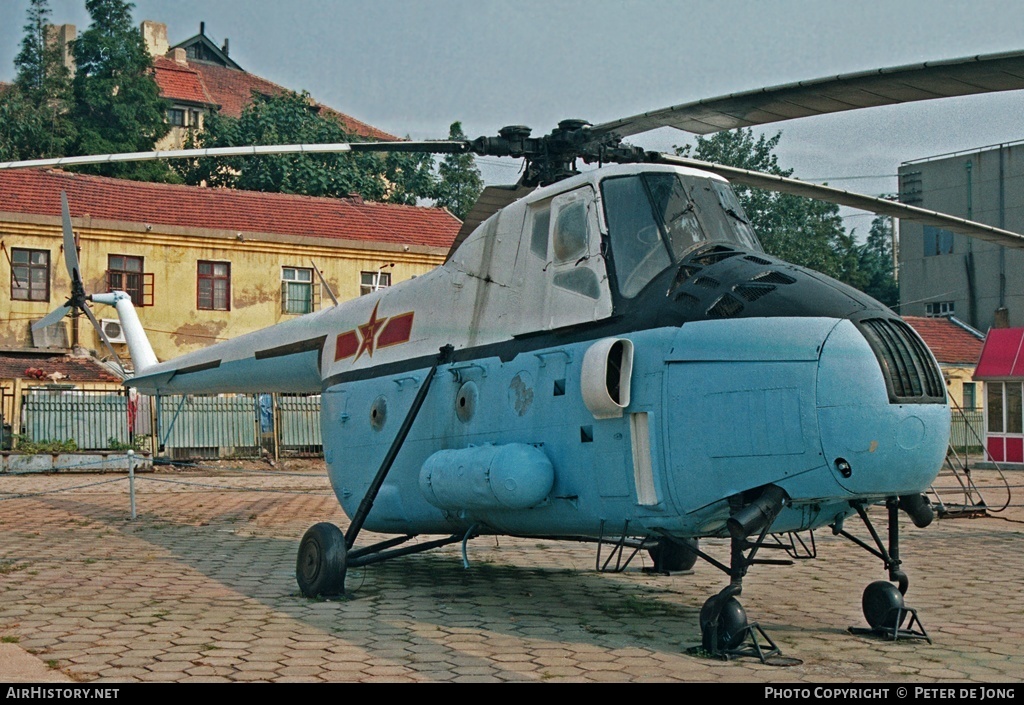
{"x": 201, "y": 587}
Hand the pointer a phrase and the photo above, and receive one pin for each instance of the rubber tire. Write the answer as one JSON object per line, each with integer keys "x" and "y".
{"x": 321, "y": 562}
{"x": 880, "y": 601}
{"x": 669, "y": 557}
{"x": 732, "y": 624}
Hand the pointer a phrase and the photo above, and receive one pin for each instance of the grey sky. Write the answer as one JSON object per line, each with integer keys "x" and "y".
{"x": 412, "y": 67}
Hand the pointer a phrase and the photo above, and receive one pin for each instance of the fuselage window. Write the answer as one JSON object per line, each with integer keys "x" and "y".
{"x": 582, "y": 281}
{"x": 570, "y": 236}
{"x": 539, "y": 236}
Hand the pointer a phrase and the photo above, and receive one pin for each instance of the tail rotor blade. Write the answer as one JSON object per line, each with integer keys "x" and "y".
{"x": 52, "y": 317}
{"x": 70, "y": 248}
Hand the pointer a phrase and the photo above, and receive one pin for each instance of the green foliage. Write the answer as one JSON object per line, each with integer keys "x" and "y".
{"x": 460, "y": 182}
{"x": 34, "y": 120}
{"x": 876, "y": 265}
{"x": 799, "y": 230}
{"x": 116, "y": 103}
{"x": 25, "y": 445}
{"x": 115, "y": 443}
{"x": 293, "y": 118}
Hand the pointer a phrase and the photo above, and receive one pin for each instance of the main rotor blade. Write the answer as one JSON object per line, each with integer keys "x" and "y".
{"x": 103, "y": 336}
{"x": 70, "y": 247}
{"x": 901, "y": 84}
{"x": 249, "y": 151}
{"x": 872, "y": 204}
{"x": 52, "y": 317}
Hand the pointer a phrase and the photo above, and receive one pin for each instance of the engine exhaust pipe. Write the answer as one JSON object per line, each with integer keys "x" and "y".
{"x": 758, "y": 514}
{"x": 919, "y": 508}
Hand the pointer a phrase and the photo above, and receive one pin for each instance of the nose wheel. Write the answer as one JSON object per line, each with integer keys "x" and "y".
{"x": 883, "y": 603}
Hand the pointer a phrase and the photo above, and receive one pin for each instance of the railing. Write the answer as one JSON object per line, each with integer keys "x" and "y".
{"x": 966, "y": 431}
{"x": 177, "y": 427}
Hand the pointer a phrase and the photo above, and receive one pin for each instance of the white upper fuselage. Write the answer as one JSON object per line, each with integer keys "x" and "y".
{"x": 508, "y": 278}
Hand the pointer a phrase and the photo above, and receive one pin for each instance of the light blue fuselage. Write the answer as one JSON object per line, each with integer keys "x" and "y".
{"x": 729, "y": 406}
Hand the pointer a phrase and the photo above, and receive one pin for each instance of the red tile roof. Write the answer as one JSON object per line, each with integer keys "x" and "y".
{"x": 47, "y": 368}
{"x": 37, "y": 192}
{"x": 232, "y": 89}
{"x": 180, "y": 82}
{"x": 950, "y": 342}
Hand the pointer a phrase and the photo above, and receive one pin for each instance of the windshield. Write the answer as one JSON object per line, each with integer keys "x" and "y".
{"x": 654, "y": 219}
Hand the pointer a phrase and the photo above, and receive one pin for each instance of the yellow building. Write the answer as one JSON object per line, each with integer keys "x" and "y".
{"x": 201, "y": 264}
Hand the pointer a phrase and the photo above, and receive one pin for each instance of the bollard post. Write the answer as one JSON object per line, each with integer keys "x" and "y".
{"x": 131, "y": 480}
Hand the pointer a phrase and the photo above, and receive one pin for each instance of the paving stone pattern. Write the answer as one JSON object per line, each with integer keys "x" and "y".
{"x": 201, "y": 588}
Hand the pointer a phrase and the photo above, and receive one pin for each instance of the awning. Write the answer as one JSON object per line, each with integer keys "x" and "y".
{"x": 1002, "y": 355}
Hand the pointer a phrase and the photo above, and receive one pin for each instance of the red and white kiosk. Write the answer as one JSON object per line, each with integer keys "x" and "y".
{"x": 1001, "y": 368}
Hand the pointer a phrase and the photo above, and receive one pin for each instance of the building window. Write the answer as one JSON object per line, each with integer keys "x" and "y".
{"x": 30, "y": 275}
{"x": 938, "y": 309}
{"x": 937, "y": 241}
{"x": 296, "y": 290}
{"x": 1005, "y": 407}
{"x": 125, "y": 273}
{"x": 970, "y": 396}
{"x": 213, "y": 286}
{"x": 372, "y": 281}
{"x": 176, "y": 117}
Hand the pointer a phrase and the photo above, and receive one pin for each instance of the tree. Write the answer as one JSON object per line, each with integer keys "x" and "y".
{"x": 293, "y": 118}
{"x": 460, "y": 182}
{"x": 116, "y": 102}
{"x": 34, "y": 119}
{"x": 876, "y": 265}
{"x": 799, "y": 230}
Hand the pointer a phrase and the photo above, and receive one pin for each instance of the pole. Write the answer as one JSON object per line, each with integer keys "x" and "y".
{"x": 131, "y": 481}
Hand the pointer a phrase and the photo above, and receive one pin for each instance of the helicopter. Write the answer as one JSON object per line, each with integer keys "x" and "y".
{"x": 610, "y": 356}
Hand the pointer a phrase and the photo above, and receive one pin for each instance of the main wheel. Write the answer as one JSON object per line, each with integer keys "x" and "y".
{"x": 882, "y": 602}
{"x": 731, "y": 621}
{"x": 320, "y": 566}
{"x": 670, "y": 557}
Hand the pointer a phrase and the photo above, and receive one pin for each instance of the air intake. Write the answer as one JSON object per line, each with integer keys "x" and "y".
{"x": 911, "y": 375}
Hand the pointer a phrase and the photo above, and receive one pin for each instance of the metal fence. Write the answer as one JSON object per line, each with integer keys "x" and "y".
{"x": 177, "y": 427}
{"x": 86, "y": 419}
{"x": 298, "y": 424}
{"x": 967, "y": 429}
{"x": 208, "y": 427}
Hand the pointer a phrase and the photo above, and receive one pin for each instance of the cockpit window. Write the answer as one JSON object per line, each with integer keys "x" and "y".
{"x": 733, "y": 208}
{"x": 654, "y": 219}
{"x": 637, "y": 245}
{"x": 677, "y": 212}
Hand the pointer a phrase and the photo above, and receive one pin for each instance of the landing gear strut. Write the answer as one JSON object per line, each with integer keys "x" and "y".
{"x": 725, "y": 631}
{"x": 883, "y": 604}
{"x": 326, "y": 554}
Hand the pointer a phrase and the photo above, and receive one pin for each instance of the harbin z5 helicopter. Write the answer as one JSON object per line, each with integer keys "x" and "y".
{"x": 610, "y": 356}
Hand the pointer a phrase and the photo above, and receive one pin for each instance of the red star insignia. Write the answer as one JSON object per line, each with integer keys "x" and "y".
{"x": 368, "y": 333}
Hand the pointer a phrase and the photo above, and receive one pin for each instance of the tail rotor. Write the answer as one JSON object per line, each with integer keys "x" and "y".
{"x": 79, "y": 300}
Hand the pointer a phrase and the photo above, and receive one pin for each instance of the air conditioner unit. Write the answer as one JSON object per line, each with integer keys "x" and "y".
{"x": 112, "y": 330}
